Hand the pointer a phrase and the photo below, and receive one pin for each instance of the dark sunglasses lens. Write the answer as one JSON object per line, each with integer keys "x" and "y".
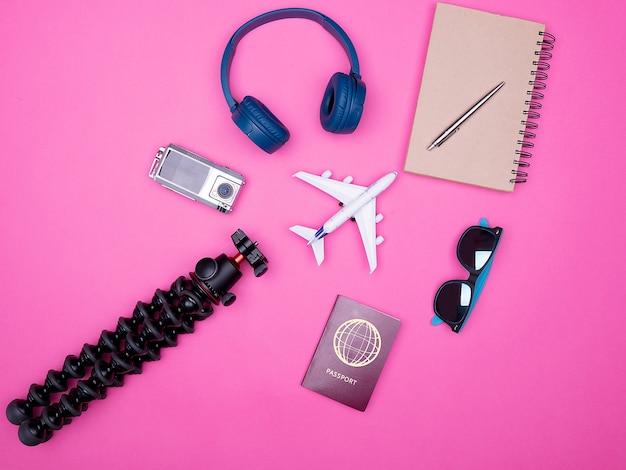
{"x": 476, "y": 247}
{"x": 453, "y": 301}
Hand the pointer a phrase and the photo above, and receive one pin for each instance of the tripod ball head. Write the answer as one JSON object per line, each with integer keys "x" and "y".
{"x": 216, "y": 276}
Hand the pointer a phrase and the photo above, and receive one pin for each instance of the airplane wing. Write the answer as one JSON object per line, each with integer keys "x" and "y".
{"x": 343, "y": 192}
{"x": 366, "y": 220}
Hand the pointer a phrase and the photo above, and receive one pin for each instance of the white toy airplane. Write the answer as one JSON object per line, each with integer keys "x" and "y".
{"x": 358, "y": 203}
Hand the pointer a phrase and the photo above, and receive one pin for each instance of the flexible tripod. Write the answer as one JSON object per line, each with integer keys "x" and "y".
{"x": 136, "y": 339}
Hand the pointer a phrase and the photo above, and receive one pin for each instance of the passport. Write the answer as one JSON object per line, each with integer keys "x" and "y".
{"x": 351, "y": 353}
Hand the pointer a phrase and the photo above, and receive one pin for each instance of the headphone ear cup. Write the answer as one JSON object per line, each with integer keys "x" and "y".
{"x": 260, "y": 125}
{"x": 342, "y": 104}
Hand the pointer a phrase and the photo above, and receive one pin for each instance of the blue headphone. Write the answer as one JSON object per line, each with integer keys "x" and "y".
{"x": 342, "y": 104}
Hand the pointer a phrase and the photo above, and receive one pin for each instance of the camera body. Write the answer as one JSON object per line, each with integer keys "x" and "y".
{"x": 196, "y": 177}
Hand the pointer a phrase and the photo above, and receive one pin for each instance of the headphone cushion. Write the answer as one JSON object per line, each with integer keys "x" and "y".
{"x": 342, "y": 104}
{"x": 258, "y": 123}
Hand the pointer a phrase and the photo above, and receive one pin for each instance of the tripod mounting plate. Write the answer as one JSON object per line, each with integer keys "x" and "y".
{"x": 250, "y": 252}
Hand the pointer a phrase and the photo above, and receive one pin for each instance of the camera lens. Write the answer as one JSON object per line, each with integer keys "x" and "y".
{"x": 225, "y": 190}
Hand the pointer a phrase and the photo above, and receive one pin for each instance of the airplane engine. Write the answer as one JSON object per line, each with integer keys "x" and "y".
{"x": 379, "y": 240}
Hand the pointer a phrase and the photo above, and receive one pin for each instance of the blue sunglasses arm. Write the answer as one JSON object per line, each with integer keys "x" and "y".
{"x": 480, "y": 282}
{"x": 436, "y": 321}
{"x": 482, "y": 279}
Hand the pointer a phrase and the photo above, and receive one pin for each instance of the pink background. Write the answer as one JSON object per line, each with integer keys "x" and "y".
{"x": 90, "y": 90}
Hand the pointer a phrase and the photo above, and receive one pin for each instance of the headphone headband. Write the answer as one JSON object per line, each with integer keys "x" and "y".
{"x": 329, "y": 25}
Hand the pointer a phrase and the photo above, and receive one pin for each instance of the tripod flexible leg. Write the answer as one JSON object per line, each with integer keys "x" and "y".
{"x": 178, "y": 310}
{"x": 75, "y": 367}
{"x": 136, "y": 340}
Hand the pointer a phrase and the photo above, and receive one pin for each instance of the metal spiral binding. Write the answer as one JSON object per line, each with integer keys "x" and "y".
{"x": 535, "y": 94}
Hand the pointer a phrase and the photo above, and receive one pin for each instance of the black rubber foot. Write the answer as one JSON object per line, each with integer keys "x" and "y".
{"x": 17, "y": 412}
{"x": 31, "y": 434}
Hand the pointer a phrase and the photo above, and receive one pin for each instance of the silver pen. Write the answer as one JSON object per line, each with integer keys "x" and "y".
{"x": 457, "y": 124}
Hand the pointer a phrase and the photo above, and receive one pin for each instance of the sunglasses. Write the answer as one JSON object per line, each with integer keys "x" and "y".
{"x": 475, "y": 251}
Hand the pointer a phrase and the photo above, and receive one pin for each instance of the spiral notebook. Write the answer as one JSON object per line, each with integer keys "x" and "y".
{"x": 469, "y": 53}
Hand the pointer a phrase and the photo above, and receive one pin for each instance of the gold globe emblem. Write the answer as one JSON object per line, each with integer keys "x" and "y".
{"x": 357, "y": 342}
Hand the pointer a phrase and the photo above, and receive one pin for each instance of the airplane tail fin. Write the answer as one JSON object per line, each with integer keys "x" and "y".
{"x": 308, "y": 233}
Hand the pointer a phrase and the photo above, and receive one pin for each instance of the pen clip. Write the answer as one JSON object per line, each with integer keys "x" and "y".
{"x": 448, "y": 136}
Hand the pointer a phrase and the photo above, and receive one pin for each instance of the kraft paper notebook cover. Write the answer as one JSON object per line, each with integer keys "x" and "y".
{"x": 469, "y": 53}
